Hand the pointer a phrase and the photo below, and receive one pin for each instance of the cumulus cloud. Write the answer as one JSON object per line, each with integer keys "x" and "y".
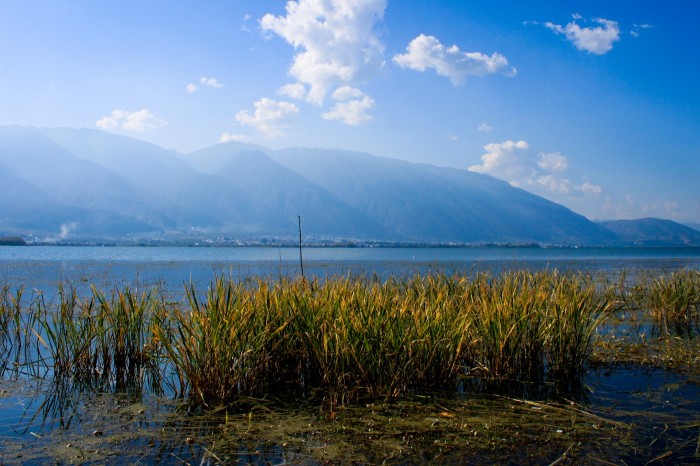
{"x": 513, "y": 162}
{"x": 270, "y": 117}
{"x": 351, "y": 112}
{"x": 139, "y": 121}
{"x": 590, "y": 188}
{"x": 336, "y": 42}
{"x": 425, "y": 52}
{"x": 505, "y": 160}
{"x": 597, "y": 40}
{"x": 352, "y": 107}
{"x": 294, "y": 90}
{"x": 229, "y": 137}
{"x": 552, "y": 162}
{"x": 191, "y": 88}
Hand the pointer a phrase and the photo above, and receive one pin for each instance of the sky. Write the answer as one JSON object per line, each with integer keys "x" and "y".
{"x": 591, "y": 104}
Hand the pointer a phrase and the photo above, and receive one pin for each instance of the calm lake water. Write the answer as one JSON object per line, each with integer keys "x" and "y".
{"x": 42, "y": 267}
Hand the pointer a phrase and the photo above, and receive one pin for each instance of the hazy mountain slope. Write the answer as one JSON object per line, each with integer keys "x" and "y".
{"x": 193, "y": 198}
{"x": 212, "y": 159}
{"x": 423, "y": 202}
{"x": 516, "y": 212}
{"x": 654, "y": 232}
{"x": 278, "y": 189}
{"x": 26, "y": 209}
{"x": 92, "y": 183}
{"x": 74, "y": 182}
{"x": 694, "y": 226}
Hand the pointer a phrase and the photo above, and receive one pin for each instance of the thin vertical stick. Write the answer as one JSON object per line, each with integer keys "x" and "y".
{"x": 301, "y": 261}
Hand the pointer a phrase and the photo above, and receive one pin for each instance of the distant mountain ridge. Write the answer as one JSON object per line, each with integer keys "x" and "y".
{"x": 79, "y": 183}
{"x": 653, "y": 232}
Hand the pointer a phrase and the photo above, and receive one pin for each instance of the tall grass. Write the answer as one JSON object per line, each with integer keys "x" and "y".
{"x": 99, "y": 340}
{"x": 342, "y": 337}
{"x": 671, "y": 299}
{"x": 221, "y": 345}
{"x": 363, "y": 337}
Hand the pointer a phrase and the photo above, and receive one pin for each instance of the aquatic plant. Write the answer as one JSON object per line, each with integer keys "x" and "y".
{"x": 220, "y": 346}
{"x": 352, "y": 337}
{"x": 672, "y": 299}
{"x": 340, "y": 338}
{"x": 98, "y": 340}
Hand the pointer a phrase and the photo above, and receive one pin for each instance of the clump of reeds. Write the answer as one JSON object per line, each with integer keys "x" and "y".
{"x": 672, "y": 299}
{"x": 99, "y": 340}
{"x": 357, "y": 336}
{"x": 346, "y": 337}
{"x": 222, "y": 344}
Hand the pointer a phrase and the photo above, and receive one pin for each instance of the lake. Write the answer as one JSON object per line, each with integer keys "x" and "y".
{"x": 42, "y": 267}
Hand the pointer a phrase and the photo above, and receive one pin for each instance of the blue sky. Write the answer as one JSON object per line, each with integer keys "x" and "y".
{"x": 592, "y": 104}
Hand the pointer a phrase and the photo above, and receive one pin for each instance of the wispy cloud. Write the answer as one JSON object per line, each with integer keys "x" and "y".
{"x": 638, "y": 28}
{"x": 230, "y": 137}
{"x": 426, "y": 52}
{"x": 544, "y": 173}
{"x": 484, "y": 128}
{"x": 270, "y": 117}
{"x": 139, "y": 121}
{"x": 336, "y": 43}
{"x": 597, "y": 40}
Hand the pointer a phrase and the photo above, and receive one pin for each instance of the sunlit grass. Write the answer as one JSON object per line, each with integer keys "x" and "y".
{"x": 671, "y": 299}
{"x": 341, "y": 338}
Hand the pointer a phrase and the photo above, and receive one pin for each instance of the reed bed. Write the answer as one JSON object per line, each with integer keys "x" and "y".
{"x": 341, "y": 338}
{"x": 671, "y": 299}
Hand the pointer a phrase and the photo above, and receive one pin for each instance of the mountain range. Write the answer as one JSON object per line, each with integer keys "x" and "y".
{"x": 83, "y": 183}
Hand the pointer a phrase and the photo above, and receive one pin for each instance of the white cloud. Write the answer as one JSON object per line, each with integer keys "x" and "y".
{"x": 270, "y": 116}
{"x": 597, "y": 40}
{"x": 503, "y": 160}
{"x": 336, "y": 42}
{"x": 351, "y": 112}
{"x": 139, "y": 121}
{"x": 590, "y": 188}
{"x": 513, "y": 162}
{"x": 637, "y": 28}
{"x": 229, "y": 137}
{"x": 426, "y": 52}
{"x": 210, "y": 82}
{"x": 554, "y": 184}
{"x": 553, "y": 162}
{"x": 484, "y": 128}
{"x": 347, "y": 93}
{"x": 294, "y": 90}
